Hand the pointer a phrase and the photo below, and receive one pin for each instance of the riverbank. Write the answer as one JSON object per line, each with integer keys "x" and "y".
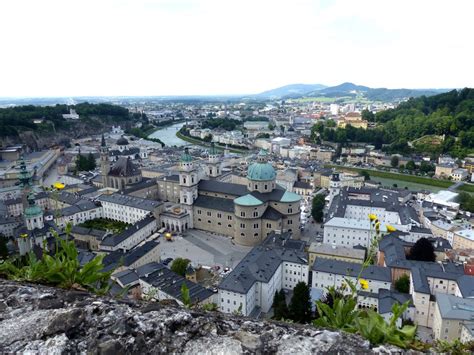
{"x": 206, "y": 144}
{"x": 400, "y": 177}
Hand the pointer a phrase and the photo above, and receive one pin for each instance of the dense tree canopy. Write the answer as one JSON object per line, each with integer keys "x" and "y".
{"x": 450, "y": 116}
{"x": 318, "y": 207}
{"x": 20, "y": 118}
{"x": 179, "y": 266}
{"x": 423, "y": 250}
{"x": 403, "y": 284}
{"x": 300, "y": 305}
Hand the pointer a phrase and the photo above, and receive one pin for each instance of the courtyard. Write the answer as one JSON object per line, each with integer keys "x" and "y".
{"x": 204, "y": 248}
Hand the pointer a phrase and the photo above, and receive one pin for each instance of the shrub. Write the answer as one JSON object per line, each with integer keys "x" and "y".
{"x": 60, "y": 269}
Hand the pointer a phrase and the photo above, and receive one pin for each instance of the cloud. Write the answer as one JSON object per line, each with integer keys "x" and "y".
{"x": 146, "y": 47}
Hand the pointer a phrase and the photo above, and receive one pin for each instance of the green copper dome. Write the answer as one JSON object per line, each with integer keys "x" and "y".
{"x": 290, "y": 197}
{"x": 186, "y": 157}
{"x": 247, "y": 200}
{"x": 33, "y": 211}
{"x": 213, "y": 150}
{"x": 261, "y": 172}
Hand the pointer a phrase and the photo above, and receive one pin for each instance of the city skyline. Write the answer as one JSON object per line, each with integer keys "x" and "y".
{"x": 168, "y": 48}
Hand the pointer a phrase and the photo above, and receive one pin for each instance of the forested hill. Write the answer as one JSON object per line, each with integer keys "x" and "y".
{"x": 450, "y": 114}
{"x": 15, "y": 120}
{"x": 17, "y": 124}
{"x": 437, "y": 124}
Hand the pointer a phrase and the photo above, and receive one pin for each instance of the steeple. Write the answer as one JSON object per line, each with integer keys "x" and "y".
{"x": 102, "y": 143}
{"x": 214, "y": 168}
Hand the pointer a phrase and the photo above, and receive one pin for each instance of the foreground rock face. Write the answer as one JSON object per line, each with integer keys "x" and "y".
{"x": 41, "y": 319}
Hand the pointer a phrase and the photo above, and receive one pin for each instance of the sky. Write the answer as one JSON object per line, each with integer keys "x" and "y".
{"x": 226, "y": 47}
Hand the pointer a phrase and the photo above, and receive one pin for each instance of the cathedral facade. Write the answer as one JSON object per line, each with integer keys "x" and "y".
{"x": 247, "y": 213}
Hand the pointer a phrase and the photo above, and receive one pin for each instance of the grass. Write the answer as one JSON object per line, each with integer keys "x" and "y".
{"x": 466, "y": 188}
{"x": 400, "y": 177}
{"x": 105, "y": 224}
{"x": 206, "y": 144}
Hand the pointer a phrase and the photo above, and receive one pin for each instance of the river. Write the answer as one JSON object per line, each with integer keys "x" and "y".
{"x": 168, "y": 135}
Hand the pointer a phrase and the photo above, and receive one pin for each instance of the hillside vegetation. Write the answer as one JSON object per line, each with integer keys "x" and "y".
{"x": 18, "y": 119}
{"x": 449, "y": 115}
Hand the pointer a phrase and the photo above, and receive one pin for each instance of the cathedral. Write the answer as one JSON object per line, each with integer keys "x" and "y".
{"x": 122, "y": 173}
{"x": 247, "y": 213}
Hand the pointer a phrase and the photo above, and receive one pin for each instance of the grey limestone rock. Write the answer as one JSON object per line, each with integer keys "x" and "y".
{"x": 40, "y": 319}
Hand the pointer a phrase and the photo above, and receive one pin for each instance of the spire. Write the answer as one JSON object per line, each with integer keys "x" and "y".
{"x": 24, "y": 176}
{"x": 186, "y": 157}
{"x": 102, "y": 143}
{"x": 213, "y": 150}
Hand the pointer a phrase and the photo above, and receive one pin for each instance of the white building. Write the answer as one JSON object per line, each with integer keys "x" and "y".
{"x": 450, "y": 315}
{"x": 126, "y": 208}
{"x": 329, "y": 272}
{"x": 267, "y": 268}
{"x": 349, "y": 232}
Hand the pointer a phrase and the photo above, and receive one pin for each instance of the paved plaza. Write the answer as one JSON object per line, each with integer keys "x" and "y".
{"x": 204, "y": 248}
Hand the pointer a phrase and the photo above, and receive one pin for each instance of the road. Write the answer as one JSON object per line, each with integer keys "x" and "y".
{"x": 456, "y": 185}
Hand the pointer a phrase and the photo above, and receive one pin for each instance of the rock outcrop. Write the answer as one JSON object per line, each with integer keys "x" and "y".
{"x": 40, "y": 319}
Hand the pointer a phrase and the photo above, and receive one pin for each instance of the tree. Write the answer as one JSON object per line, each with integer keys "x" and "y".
{"x": 271, "y": 127}
{"x": 394, "y": 161}
{"x": 91, "y": 162}
{"x": 365, "y": 174}
{"x": 179, "y": 266}
{"x": 423, "y": 250}
{"x": 300, "y": 305}
{"x": 368, "y": 115}
{"x": 280, "y": 308}
{"x": 185, "y": 295}
{"x": 318, "y": 207}
{"x": 466, "y": 201}
{"x": 403, "y": 284}
{"x": 3, "y": 247}
{"x": 208, "y": 138}
{"x": 410, "y": 165}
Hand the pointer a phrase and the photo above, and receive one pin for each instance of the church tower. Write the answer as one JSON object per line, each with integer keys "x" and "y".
{"x": 334, "y": 186}
{"x": 188, "y": 182}
{"x": 104, "y": 162}
{"x": 213, "y": 164}
{"x": 188, "y": 179}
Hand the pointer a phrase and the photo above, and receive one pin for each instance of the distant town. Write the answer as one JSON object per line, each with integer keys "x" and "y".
{"x": 257, "y": 205}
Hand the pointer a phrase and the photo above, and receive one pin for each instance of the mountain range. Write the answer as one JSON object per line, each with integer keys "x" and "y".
{"x": 344, "y": 90}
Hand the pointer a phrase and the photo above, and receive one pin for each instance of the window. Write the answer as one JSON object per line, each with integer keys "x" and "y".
{"x": 219, "y": 215}
{"x": 256, "y": 186}
{"x": 290, "y": 210}
{"x": 229, "y": 218}
{"x": 209, "y": 213}
{"x": 199, "y": 211}
{"x": 229, "y": 225}
{"x": 255, "y": 225}
{"x": 255, "y": 214}
{"x": 199, "y": 219}
{"x": 269, "y": 225}
{"x": 242, "y": 225}
{"x": 290, "y": 221}
{"x": 242, "y": 214}
{"x": 266, "y": 186}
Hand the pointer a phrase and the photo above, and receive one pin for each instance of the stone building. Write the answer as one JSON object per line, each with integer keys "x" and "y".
{"x": 248, "y": 213}
{"x": 122, "y": 174}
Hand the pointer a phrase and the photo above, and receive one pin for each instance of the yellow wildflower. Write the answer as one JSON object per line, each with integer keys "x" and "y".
{"x": 372, "y": 217}
{"x": 364, "y": 284}
{"x": 390, "y": 228}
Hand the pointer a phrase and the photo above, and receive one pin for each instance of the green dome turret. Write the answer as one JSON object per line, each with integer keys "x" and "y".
{"x": 186, "y": 157}
{"x": 262, "y": 170}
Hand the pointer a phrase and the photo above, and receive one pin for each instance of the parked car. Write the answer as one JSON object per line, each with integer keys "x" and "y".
{"x": 167, "y": 261}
